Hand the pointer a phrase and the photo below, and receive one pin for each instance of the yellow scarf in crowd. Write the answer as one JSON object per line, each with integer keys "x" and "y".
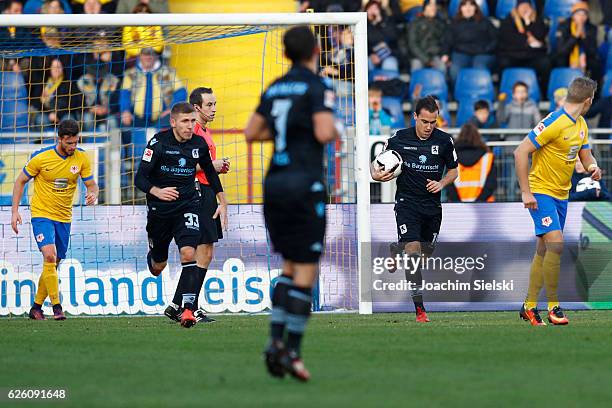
{"x": 574, "y": 57}
{"x": 50, "y": 88}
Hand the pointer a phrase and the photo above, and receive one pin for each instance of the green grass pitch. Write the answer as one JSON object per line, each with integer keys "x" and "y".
{"x": 460, "y": 359}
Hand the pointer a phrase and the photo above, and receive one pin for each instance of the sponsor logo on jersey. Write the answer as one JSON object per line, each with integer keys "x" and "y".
{"x": 546, "y": 221}
{"x": 195, "y": 153}
{"x": 423, "y": 159}
{"x": 147, "y": 155}
{"x": 182, "y": 162}
{"x": 539, "y": 129}
{"x": 60, "y": 183}
{"x": 434, "y": 149}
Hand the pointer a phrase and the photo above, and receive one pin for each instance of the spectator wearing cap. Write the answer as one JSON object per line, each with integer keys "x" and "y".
{"x": 577, "y": 42}
{"x": 149, "y": 90}
{"x": 137, "y": 38}
{"x": 425, "y": 38}
{"x": 522, "y": 41}
{"x": 471, "y": 40}
{"x": 156, "y": 6}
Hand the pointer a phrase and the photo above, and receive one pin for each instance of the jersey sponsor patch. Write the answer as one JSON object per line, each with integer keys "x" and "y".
{"x": 539, "y": 129}
{"x": 195, "y": 153}
{"x": 329, "y": 99}
{"x": 74, "y": 169}
{"x": 147, "y": 155}
{"x": 546, "y": 221}
{"x": 434, "y": 149}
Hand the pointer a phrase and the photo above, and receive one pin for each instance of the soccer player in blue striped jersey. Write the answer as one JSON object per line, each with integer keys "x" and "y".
{"x": 554, "y": 145}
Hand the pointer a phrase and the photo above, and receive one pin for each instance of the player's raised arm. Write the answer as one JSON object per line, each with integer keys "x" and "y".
{"x": 150, "y": 157}
{"x": 18, "y": 188}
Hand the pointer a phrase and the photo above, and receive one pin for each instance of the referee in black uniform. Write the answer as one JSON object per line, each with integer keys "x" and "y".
{"x": 297, "y": 112}
{"x": 166, "y": 174}
{"x": 426, "y": 152}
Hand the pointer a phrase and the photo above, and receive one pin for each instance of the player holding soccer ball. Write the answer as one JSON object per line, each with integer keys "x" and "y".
{"x": 297, "y": 112}
{"x": 56, "y": 170}
{"x": 426, "y": 152}
{"x": 554, "y": 145}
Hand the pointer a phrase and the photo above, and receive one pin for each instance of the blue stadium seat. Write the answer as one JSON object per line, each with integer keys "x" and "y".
{"x": 607, "y": 83}
{"x": 394, "y": 105}
{"x": 609, "y": 58}
{"x": 504, "y": 7}
{"x": 474, "y": 83}
{"x": 14, "y": 102}
{"x": 453, "y": 7}
{"x": 561, "y": 78}
{"x": 464, "y": 112}
{"x": 526, "y": 75}
{"x": 432, "y": 82}
{"x": 558, "y": 9}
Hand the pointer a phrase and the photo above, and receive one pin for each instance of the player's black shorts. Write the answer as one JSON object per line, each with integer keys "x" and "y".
{"x": 183, "y": 226}
{"x": 294, "y": 210}
{"x": 413, "y": 224}
{"x": 210, "y": 229}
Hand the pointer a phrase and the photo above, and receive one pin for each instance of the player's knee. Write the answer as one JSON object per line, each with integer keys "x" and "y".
{"x": 188, "y": 254}
{"x": 204, "y": 255}
{"x": 50, "y": 257}
{"x": 157, "y": 268}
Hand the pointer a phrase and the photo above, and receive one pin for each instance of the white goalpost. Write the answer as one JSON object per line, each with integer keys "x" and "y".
{"x": 105, "y": 272}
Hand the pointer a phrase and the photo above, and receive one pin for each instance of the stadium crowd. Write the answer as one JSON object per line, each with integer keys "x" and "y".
{"x": 496, "y": 60}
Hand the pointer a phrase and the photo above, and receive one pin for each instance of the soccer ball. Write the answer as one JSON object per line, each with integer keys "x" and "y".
{"x": 389, "y": 160}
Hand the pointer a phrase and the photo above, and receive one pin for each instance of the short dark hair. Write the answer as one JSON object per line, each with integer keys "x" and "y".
{"x": 181, "y": 108}
{"x": 300, "y": 43}
{"x": 195, "y": 97}
{"x": 428, "y": 103}
{"x": 581, "y": 89}
{"x": 68, "y": 127}
{"x": 481, "y": 104}
{"x": 520, "y": 83}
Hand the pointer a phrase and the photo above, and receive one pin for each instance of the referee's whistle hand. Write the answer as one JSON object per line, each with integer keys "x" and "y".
{"x": 166, "y": 193}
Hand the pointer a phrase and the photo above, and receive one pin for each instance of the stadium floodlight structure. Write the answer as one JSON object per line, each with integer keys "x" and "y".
{"x": 237, "y": 55}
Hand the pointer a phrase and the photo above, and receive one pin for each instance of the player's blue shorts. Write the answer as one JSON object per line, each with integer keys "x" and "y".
{"x": 550, "y": 215}
{"x": 48, "y": 232}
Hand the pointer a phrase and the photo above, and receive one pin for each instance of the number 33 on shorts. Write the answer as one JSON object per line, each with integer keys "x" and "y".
{"x": 192, "y": 221}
